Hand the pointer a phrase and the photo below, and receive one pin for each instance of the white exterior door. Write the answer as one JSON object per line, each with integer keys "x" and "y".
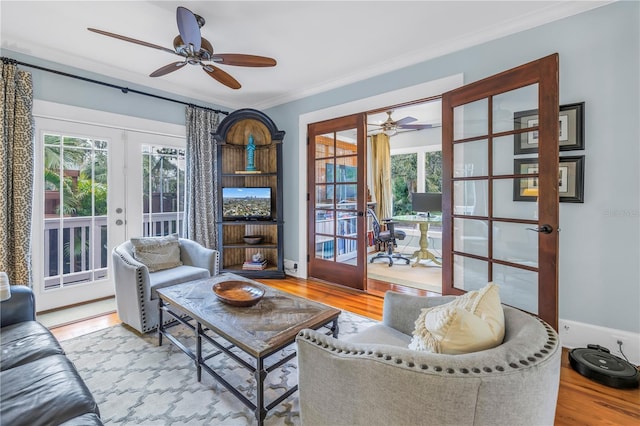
{"x": 89, "y": 197}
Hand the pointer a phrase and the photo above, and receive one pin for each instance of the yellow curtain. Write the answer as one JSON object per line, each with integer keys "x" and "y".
{"x": 381, "y": 162}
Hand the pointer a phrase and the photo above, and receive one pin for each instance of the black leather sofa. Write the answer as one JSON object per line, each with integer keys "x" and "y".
{"x": 39, "y": 385}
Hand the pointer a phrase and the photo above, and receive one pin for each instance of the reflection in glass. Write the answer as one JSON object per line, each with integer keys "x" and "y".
{"x": 346, "y": 144}
{"x": 503, "y": 155}
{"x": 324, "y": 196}
{"x": 513, "y": 243}
{"x": 471, "y": 236}
{"x": 346, "y": 250}
{"x": 325, "y": 222}
{"x": 324, "y": 145}
{"x": 324, "y": 247}
{"x": 509, "y": 105}
{"x": 471, "y": 120}
{"x": 504, "y": 204}
{"x": 518, "y": 287}
{"x": 470, "y": 159}
{"x": 470, "y": 197}
{"x": 346, "y": 196}
{"x": 346, "y": 169}
{"x": 324, "y": 170}
{"x": 469, "y": 274}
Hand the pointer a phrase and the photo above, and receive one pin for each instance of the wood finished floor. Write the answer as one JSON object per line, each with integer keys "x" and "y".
{"x": 580, "y": 401}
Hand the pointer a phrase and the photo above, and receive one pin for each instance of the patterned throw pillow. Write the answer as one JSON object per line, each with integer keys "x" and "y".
{"x": 157, "y": 253}
{"x": 472, "y": 322}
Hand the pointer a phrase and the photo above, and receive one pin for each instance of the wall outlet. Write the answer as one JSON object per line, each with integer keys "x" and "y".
{"x": 574, "y": 334}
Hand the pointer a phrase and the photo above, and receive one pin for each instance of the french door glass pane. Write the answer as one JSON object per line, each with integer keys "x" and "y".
{"x": 470, "y": 197}
{"x": 471, "y": 236}
{"x": 468, "y": 273}
{"x": 507, "y": 201}
{"x": 325, "y": 146}
{"x": 75, "y": 207}
{"x": 470, "y": 159}
{"x": 518, "y": 287}
{"x": 514, "y": 243}
{"x": 471, "y": 120}
{"x": 513, "y": 109}
{"x": 163, "y": 189}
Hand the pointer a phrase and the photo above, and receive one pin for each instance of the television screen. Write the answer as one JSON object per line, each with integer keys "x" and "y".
{"x": 246, "y": 203}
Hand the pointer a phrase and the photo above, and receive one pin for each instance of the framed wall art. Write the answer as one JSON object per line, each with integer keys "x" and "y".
{"x": 570, "y": 127}
{"x": 570, "y": 179}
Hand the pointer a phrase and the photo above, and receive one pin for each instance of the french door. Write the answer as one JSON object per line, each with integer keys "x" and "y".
{"x": 500, "y": 186}
{"x": 97, "y": 186}
{"x": 337, "y": 201}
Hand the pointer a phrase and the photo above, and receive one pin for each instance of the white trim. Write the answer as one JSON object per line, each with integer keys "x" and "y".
{"x": 420, "y": 91}
{"x": 574, "y": 334}
{"x": 46, "y": 109}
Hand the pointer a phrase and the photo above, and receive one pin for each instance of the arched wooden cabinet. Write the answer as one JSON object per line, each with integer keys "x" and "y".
{"x": 249, "y": 193}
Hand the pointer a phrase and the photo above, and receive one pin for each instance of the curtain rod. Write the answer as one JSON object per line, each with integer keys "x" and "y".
{"x": 125, "y": 90}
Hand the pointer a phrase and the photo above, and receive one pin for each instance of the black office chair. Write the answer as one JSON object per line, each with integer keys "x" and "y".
{"x": 387, "y": 238}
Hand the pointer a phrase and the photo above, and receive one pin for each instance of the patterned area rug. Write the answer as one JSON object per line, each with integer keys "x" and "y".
{"x": 137, "y": 382}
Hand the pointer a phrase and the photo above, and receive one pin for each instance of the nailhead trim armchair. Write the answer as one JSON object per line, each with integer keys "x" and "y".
{"x": 374, "y": 379}
{"x": 135, "y": 286}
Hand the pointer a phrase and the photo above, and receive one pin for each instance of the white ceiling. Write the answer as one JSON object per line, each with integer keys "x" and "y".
{"x": 319, "y": 45}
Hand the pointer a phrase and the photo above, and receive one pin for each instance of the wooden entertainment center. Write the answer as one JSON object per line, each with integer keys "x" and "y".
{"x": 249, "y": 155}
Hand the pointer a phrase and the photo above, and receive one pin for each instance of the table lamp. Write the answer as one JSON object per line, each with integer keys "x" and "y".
{"x": 422, "y": 202}
{"x": 5, "y": 288}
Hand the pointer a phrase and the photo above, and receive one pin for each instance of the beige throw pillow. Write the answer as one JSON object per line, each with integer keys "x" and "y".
{"x": 472, "y": 322}
{"x": 157, "y": 253}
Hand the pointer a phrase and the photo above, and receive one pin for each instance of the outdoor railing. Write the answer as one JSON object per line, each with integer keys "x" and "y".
{"x": 76, "y": 248}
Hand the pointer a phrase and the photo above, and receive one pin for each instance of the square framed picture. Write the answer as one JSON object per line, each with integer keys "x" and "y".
{"x": 570, "y": 129}
{"x": 570, "y": 179}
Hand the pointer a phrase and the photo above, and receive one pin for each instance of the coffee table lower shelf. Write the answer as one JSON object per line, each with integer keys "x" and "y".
{"x": 259, "y": 370}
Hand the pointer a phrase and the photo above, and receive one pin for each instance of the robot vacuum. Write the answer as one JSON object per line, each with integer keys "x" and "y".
{"x": 597, "y": 364}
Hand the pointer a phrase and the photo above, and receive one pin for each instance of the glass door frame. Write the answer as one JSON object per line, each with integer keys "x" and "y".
{"x": 353, "y": 276}
{"x": 544, "y": 72}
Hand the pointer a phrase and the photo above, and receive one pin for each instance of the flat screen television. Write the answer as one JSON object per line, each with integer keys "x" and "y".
{"x": 241, "y": 203}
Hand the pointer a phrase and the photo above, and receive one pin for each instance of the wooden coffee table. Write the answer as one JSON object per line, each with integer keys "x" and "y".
{"x": 259, "y": 331}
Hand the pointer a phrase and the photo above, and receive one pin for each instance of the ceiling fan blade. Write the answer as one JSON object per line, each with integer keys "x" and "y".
{"x": 167, "y": 69}
{"x": 188, "y": 27}
{"x": 405, "y": 120}
{"x": 131, "y": 40}
{"x": 243, "y": 60}
{"x": 418, "y": 126}
{"x": 221, "y": 76}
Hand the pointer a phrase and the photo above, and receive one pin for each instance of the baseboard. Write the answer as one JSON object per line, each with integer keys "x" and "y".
{"x": 575, "y": 334}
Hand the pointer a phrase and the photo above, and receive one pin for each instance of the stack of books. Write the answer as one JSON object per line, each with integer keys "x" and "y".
{"x": 254, "y": 266}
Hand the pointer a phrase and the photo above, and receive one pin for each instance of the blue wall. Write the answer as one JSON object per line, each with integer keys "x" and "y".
{"x": 600, "y": 239}
{"x": 599, "y": 64}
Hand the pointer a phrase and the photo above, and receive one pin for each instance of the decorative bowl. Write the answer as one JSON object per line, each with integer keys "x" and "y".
{"x": 252, "y": 239}
{"x": 238, "y": 293}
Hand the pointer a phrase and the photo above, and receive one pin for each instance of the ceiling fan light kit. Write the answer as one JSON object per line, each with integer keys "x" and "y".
{"x": 196, "y": 50}
{"x": 390, "y": 127}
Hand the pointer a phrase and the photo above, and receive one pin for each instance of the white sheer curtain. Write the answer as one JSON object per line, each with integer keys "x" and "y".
{"x": 16, "y": 174}
{"x": 201, "y": 202}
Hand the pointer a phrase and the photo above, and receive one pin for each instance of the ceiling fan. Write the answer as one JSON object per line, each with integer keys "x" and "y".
{"x": 196, "y": 50}
{"x": 390, "y": 126}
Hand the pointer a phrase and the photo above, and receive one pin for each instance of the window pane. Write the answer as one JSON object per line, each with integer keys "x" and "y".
{"x": 404, "y": 172}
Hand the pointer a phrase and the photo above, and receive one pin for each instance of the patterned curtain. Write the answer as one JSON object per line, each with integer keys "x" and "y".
{"x": 16, "y": 174}
{"x": 201, "y": 203}
{"x": 381, "y": 159}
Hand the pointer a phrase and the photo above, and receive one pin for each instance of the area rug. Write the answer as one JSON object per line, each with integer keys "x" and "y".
{"x": 137, "y": 382}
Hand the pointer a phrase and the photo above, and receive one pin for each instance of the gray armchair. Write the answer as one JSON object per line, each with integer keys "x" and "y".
{"x": 135, "y": 286}
{"x": 374, "y": 379}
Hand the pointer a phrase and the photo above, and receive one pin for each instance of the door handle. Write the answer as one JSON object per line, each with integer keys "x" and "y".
{"x": 545, "y": 229}
{"x": 360, "y": 213}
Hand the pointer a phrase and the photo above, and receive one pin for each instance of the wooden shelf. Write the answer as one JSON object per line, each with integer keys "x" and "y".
{"x": 232, "y": 137}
